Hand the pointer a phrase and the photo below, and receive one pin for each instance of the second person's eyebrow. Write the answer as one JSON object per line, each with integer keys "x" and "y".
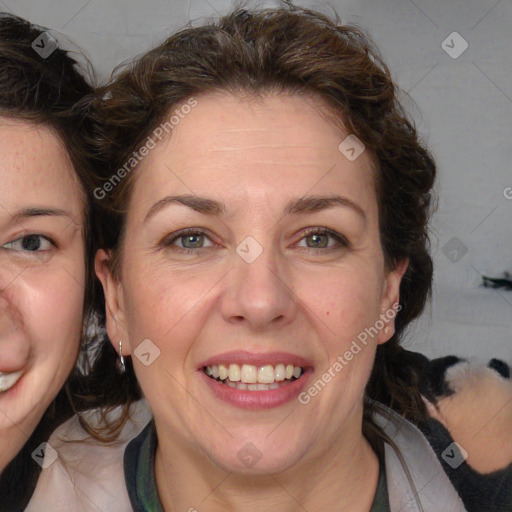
{"x": 208, "y": 206}
{"x": 40, "y": 212}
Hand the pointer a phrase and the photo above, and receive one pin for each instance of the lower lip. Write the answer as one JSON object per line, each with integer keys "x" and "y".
{"x": 257, "y": 399}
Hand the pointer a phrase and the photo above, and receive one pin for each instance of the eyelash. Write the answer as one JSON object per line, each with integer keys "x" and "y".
{"x": 168, "y": 241}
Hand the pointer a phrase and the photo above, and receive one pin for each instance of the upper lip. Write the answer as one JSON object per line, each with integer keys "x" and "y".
{"x": 5, "y": 371}
{"x": 256, "y": 359}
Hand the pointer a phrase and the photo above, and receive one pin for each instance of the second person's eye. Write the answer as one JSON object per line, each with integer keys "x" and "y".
{"x": 30, "y": 243}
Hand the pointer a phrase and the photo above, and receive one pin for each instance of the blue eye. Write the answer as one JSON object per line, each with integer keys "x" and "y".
{"x": 192, "y": 240}
{"x": 189, "y": 240}
{"x": 320, "y": 239}
{"x": 30, "y": 243}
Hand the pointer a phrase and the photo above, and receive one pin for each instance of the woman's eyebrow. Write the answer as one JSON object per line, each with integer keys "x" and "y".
{"x": 309, "y": 204}
{"x": 208, "y": 206}
{"x": 40, "y": 212}
{"x": 198, "y": 203}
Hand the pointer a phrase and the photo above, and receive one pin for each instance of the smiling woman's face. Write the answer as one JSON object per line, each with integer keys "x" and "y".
{"x": 42, "y": 276}
{"x": 252, "y": 268}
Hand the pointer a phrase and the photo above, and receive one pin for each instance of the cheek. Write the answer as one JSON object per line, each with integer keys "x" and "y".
{"x": 49, "y": 302}
{"x": 346, "y": 305}
{"x": 167, "y": 308}
{"x": 346, "y": 299}
{"x": 54, "y": 312}
{"x": 162, "y": 305}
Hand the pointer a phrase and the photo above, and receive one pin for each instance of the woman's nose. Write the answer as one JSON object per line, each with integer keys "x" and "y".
{"x": 259, "y": 292}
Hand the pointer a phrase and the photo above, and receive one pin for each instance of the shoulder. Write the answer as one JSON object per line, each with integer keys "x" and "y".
{"x": 81, "y": 473}
{"x": 413, "y": 467}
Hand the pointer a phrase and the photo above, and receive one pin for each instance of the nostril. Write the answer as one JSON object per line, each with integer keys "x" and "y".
{"x": 7, "y": 324}
{"x": 9, "y": 320}
{"x": 10, "y": 313}
{"x": 14, "y": 343}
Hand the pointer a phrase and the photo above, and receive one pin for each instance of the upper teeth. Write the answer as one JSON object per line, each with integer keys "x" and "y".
{"x": 251, "y": 374}
{"x": 7, "y": 380}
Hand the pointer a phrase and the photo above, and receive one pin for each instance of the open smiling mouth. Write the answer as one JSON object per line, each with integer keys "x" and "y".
{"x": 247, "y": 377}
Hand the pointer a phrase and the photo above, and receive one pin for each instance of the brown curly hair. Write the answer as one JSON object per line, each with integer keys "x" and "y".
{"x": 291, "y": 50}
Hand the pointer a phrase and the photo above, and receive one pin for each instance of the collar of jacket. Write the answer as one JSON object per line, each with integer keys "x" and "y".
{"x": 420, "y": 465}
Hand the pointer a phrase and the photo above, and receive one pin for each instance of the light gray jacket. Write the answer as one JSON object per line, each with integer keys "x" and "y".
{"x": 88, "y": 476}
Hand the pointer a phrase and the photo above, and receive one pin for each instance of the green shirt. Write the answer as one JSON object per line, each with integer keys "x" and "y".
{"x": 139, "y": 470}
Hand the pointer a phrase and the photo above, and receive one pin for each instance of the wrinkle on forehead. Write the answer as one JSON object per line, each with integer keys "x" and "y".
{"x": 293, "y": 137}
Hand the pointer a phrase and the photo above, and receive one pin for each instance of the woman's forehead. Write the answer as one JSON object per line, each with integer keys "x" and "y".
{"x": 275, "y": 146}
{"x": 35, "y": 168}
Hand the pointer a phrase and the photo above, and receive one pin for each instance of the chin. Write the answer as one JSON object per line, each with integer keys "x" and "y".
{"x": 249, "y": 460}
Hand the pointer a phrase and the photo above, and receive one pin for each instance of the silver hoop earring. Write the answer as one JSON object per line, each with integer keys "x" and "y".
{"x": 121, "y": 358}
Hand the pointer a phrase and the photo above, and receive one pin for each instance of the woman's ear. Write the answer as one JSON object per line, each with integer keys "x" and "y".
{"x": 390, "y": 300}
{"x": 114, "y": 303}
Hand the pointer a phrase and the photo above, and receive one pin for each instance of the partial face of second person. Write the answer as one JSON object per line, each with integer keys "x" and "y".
{"x": 251, "y": 276}
{"x": 42, "y": 276}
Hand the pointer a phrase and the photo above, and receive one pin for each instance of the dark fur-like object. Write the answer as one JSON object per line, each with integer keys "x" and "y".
{"x": 471, "y": 404}
{"x": 504, "y": 282}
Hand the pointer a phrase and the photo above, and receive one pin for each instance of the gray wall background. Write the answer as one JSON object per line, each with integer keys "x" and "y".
{"x": 462, "y": 105}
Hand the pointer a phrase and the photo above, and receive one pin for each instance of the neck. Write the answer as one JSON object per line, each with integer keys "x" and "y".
{"x": 343, "y": 476}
